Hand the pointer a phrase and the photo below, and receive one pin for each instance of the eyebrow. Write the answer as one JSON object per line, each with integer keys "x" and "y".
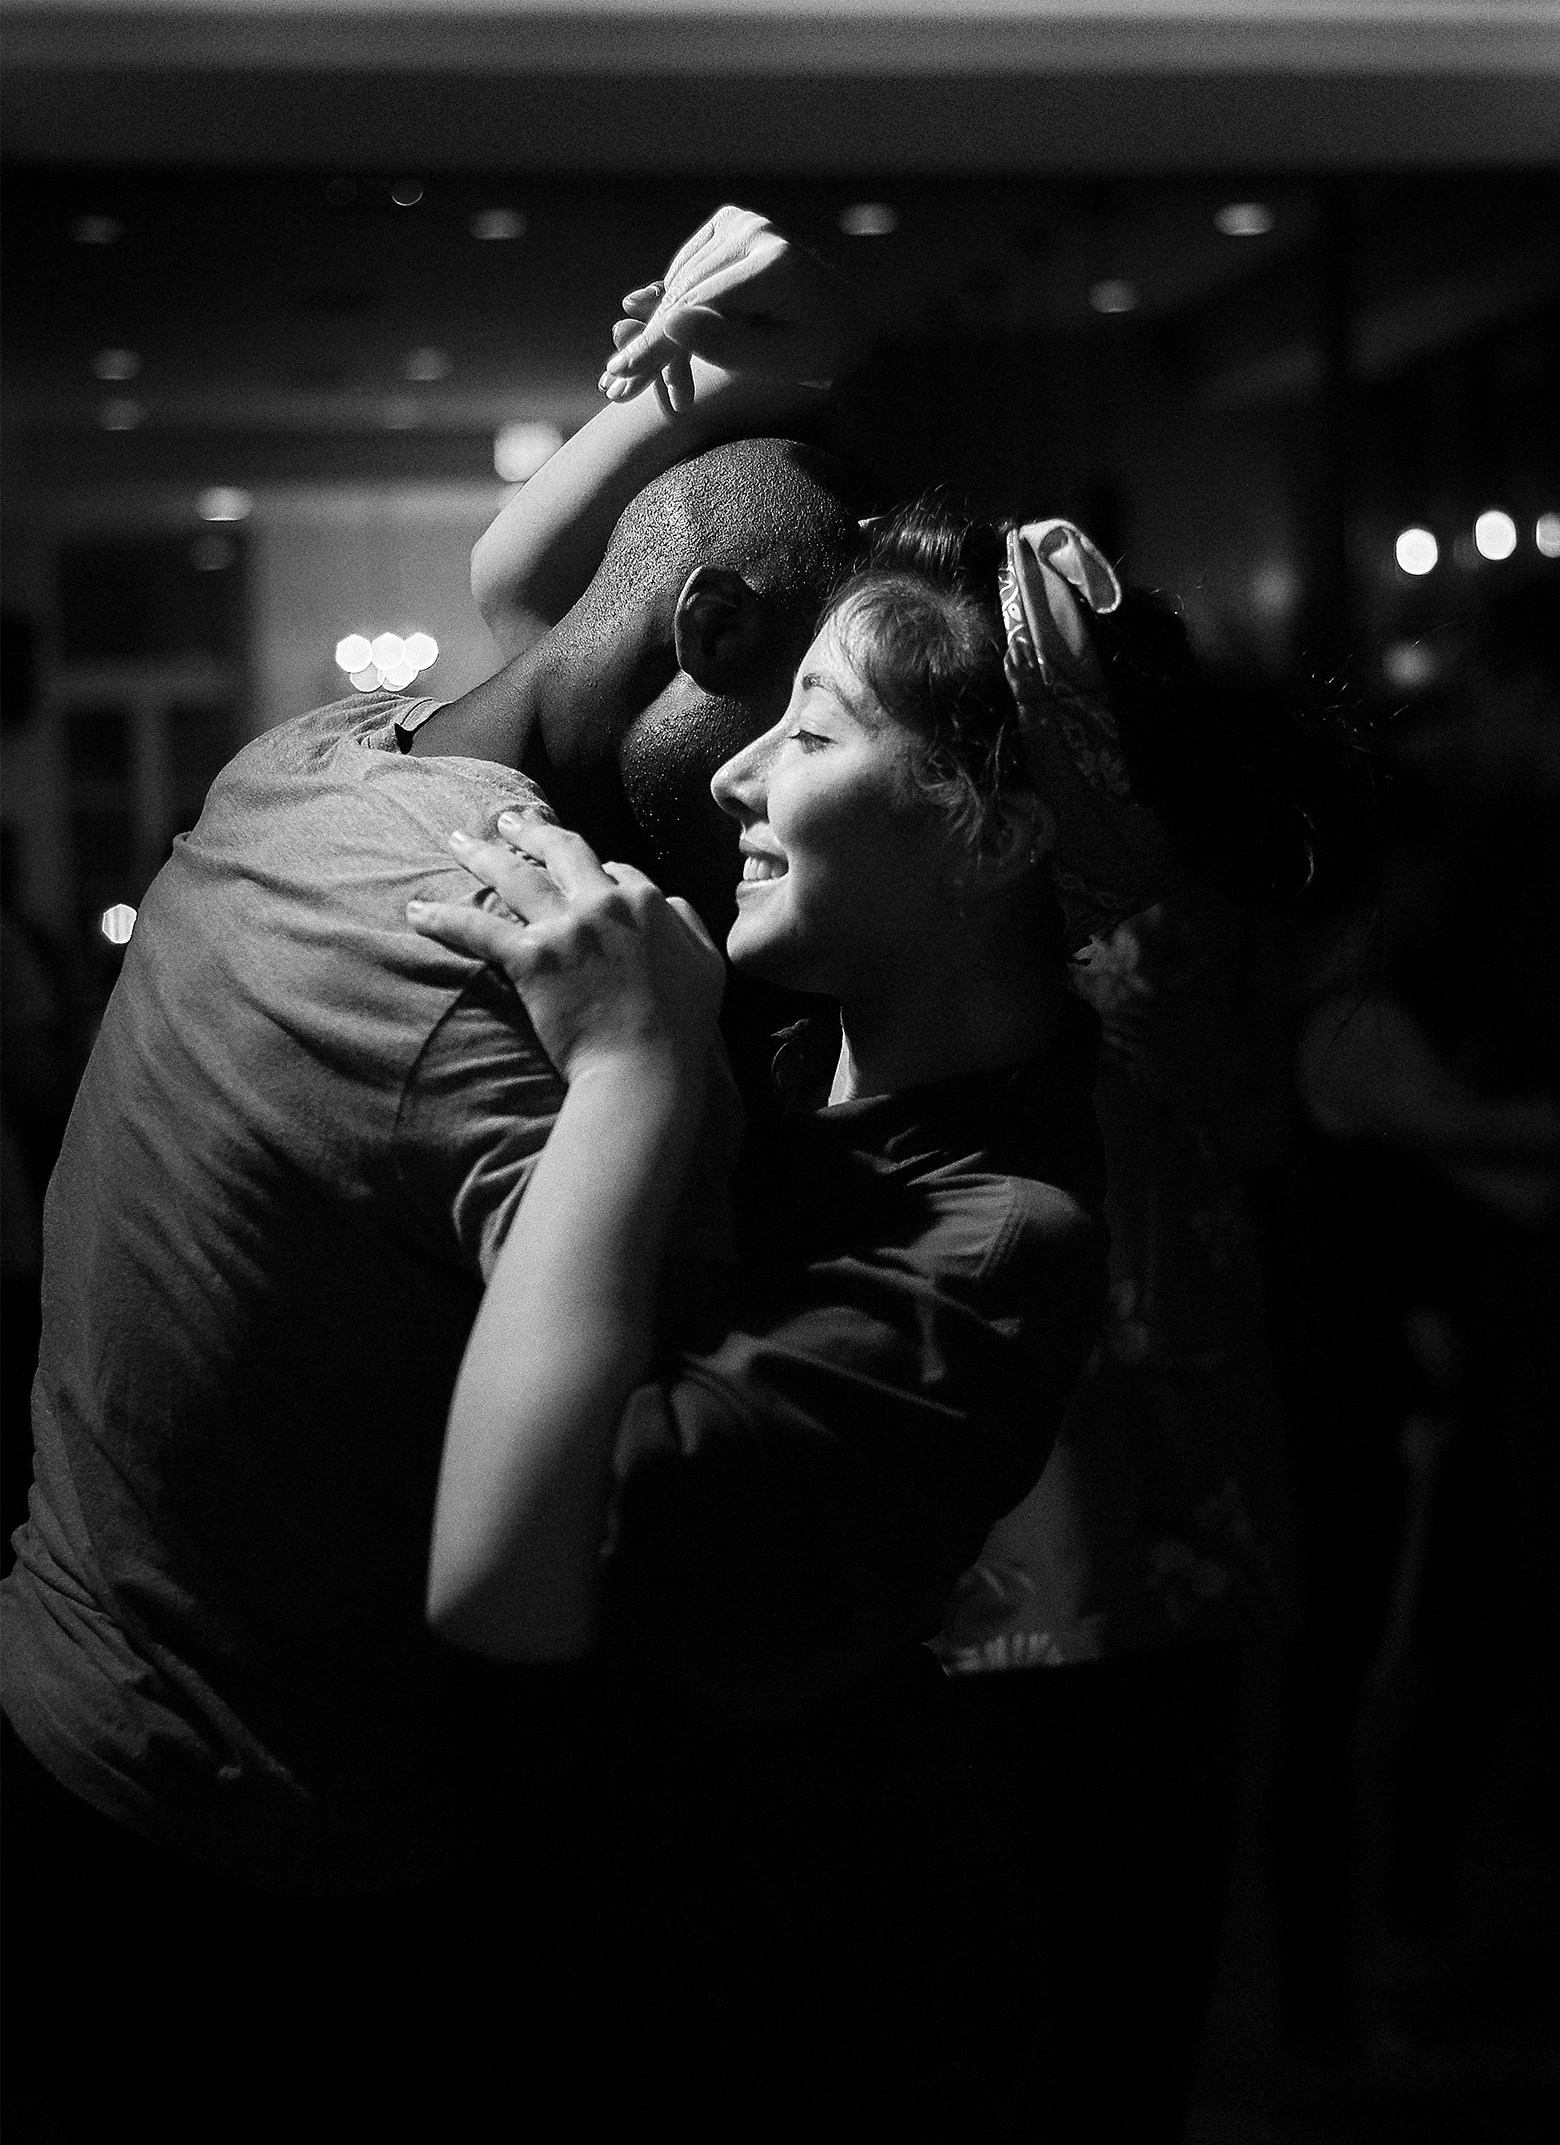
{"x": 864, "y": 716}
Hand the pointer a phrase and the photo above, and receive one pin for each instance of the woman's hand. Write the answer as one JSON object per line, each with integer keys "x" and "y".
{"x": 740, "y": 296}
{"x": 606, "y": 966}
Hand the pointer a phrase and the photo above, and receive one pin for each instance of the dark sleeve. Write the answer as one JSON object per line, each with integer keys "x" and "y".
{"x": 794, "y": 1504}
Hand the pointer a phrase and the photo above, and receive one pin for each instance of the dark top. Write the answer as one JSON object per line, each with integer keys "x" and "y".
{"x": 836, "y": 1429}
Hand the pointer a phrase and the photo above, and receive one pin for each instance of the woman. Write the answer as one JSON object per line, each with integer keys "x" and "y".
{"x": 765, "y": 1493}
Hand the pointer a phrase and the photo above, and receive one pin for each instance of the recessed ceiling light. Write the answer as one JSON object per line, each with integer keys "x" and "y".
{"x": 1244, "y": 219}
{"x": 406, "y": 193}
{"x": 1113, "y": 294}
{"x": 224, "y": 502}
{"x": 96, "y": 230}
{"x": 1546, "y": 534}
{"x": 116, "y": 365}
{"x": 120, "y": 414}
{"x": 1495, "y": 533}
{"x": 869, "y": 219}
{"x": 427, "y": 364}
{"x": 1417, "y": 551}
{"x": 498, "y": 224}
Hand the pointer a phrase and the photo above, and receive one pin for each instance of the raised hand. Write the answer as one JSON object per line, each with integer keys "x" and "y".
{"x": 606, "y": 966}
{"x": 742, "y": 297}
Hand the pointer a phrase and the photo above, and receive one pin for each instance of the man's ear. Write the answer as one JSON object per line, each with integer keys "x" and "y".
{"x": 718, "y": 628}
{"x": 1020, "y": 831}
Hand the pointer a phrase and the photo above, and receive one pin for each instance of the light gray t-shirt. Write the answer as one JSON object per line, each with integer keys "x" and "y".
{"x": 293, "y": 1158}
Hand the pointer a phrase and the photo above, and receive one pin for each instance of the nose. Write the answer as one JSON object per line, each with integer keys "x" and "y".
{"x": 740, "y": 787}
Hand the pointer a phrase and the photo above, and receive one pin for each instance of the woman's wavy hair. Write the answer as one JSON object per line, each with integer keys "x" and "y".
{"x": 1267, "y": 800}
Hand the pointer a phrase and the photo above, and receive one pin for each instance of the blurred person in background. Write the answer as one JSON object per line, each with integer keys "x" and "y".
{"x": 243, "y": 1780}
{"x": 1108, "y": 1644}
{"x": 1434, "y": 1087}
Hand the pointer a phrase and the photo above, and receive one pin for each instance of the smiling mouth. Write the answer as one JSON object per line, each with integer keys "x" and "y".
{"x": 757, "y": 869}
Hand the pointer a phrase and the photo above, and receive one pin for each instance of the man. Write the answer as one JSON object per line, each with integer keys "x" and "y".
{"x": 245, "y": 1773}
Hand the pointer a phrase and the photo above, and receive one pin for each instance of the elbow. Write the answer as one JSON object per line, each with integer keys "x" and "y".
{"x": 506, "y": 1624}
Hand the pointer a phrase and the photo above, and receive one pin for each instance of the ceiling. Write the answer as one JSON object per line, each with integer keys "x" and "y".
{"x": 276, "y": 297}
{"x": 785, "y": 85}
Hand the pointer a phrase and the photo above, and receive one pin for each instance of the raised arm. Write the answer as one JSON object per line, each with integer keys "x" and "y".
{"x": 744, "y": 334}
{"x": 623, "y": 989}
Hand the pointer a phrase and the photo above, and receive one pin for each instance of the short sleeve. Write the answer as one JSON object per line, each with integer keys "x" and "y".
{"x": 475, "y": 1116}
{"x": 794, "y": 1503}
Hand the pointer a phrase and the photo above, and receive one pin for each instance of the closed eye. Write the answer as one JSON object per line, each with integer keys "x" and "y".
{"x": 809, "y": 740}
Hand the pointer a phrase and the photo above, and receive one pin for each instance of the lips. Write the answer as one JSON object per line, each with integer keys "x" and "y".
{"x": 761, "y": 865}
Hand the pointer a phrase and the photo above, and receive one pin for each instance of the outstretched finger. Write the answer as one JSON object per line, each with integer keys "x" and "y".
{"x": 465, "y": 928}
{"x": 572, "y": 864}
{"x": 521, "y": 880}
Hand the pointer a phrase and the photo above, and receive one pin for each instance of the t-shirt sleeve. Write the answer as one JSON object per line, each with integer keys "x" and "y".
{"x": 475, "y": 1116}
{"x": 795, "y": 1503}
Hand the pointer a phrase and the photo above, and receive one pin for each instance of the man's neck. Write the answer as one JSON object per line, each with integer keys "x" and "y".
{"x": 494, "y": 721}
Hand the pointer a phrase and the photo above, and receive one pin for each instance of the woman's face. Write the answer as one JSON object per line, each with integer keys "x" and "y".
{"x": 844, "y": 879}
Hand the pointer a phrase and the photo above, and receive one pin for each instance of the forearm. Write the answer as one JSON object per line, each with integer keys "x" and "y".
{"x": 565, "y": 1333}
{"x": 1368, "y": 1069}
{"x": 538, "y": 557}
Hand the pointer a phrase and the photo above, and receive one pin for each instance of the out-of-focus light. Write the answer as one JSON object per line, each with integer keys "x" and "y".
{"x": 427, "y": 363}
{"x": 496, "y": 224}
{"x": 1409, "y": 666}
{"x": 224, "y": 502}
{"x": 120, "y": 414}
{"x": 365, "y": 680}
{"x": 116, "y": 365}
{"x": 354, "y": 652}
{"x": 421, "y": 650}
{"x": 117, "y": 923}
{"x": 341, "y": 193}
{"x": 1495, "y": 533}
{"x": 387, "y": 648}
{"x": 1275, "y": 589}
{"x": 1416, "y": 551}
{"x": 400, "y": 413}
{"x": 1244, "y": 219}
{"x": 406, "y": 193}
{"x": 1113, "y": 294}
{"x": 211, "y": 552}
{"x": 869, "y": 219}
{"x": 520, "y": 449}
{"x": 1546, "y": 534}
{"x": 399, "y": 675}
{"x": 96, "y": 230}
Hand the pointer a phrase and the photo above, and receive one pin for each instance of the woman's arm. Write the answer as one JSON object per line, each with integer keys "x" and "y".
{"x": 769, "y": 329}
{"x": 623, "y": 989}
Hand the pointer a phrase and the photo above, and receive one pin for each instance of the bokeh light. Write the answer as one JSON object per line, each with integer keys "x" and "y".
{"x": 1495, "y": 534}
{"x": 427, "y": 363}
{"x": 869, "y": 219}
{"x": 421, "y": 650}
{"x": 224, "y": 502}
{"x": 116, "y": 364}
{"x": 520, "y": 449}
{"x": 120, "y": 414}
{"x": 1113, "y": 294}
{"x": 96, "y": 230}
{"x": 406, "y": 193}
{"x": 1546, "y": 534}
{"x": 1416, "y": 551}
{"x": 354, "y": 652}
{"x": 497, "y": 224}
{"x": 1244, "y": 219}
{"x": 387, "y": 648}
{"x": 117, "y": 923}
